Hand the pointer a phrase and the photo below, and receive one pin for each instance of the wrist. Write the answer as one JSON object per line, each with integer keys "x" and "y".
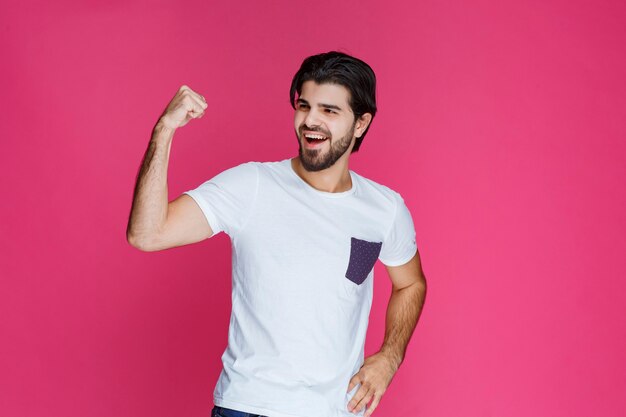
{"x": 394, "y": 359}
{"x": 162, "y": 131}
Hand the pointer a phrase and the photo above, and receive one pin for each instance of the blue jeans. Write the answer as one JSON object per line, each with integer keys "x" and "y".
{"x": 227, "y": 412}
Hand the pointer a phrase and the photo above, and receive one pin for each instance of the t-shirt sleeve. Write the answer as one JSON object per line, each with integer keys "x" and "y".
{"x": 399, "y": 245}
{"x": 227, "y": 199}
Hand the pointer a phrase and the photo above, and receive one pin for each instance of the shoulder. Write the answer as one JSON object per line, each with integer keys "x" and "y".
{"x": 272, "y": 165}
{"x": 274, "y": 169}
{"x": 245, "y": 168}
{"x": 243, "y": 173}
{"x": 377, "y": 191}
{"x": 259, "y": 170}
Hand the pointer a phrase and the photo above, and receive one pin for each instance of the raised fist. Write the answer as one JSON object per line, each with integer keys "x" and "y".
{"x": 186, "y": 105}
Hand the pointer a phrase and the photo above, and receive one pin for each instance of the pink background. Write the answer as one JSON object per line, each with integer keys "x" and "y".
{"x": 502, "y": 123}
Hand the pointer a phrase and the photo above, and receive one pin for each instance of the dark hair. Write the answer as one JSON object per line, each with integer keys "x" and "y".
{"x": 339, "y": 68}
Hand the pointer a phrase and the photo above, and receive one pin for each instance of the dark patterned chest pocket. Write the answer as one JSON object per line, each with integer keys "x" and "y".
{"x": 363, "y": 255}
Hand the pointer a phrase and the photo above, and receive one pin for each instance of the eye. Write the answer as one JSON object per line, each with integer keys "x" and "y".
{"x": 331, "y": 111}
{"x": 302, "y": 106}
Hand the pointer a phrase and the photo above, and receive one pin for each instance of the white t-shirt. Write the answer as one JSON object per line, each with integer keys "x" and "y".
{"x": 302, "y": 280}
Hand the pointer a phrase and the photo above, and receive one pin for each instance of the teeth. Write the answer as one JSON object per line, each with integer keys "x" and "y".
{"x": 315, "y": 136}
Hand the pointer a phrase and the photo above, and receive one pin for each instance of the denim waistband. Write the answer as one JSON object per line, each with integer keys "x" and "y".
{"x": 228, "y": 412}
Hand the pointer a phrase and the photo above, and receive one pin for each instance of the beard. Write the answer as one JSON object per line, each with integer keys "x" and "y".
{"x": 318, "y": 159}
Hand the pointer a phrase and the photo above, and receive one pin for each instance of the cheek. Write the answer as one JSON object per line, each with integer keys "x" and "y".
{"x": 340, "y": 131}
{"x": 297, "y": 122}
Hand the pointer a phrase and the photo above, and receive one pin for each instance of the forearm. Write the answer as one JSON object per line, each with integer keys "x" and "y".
{"x": 150, "y": 201}
{"x": 403, "y": 312}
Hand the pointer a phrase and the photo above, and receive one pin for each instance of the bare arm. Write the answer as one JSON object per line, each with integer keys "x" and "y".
{"x": 155, "y": 224}
{"x": 403, "y": 311}
{"x": 404, "y": 308}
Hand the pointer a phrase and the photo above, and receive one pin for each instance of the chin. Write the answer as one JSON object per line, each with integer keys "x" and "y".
{"x": 314, "y": 166}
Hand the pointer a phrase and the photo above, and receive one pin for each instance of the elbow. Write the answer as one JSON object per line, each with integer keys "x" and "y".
{"x": 423, "y": 286}
{"x": 142, "y": 244}
{"x": 422, "y": 282}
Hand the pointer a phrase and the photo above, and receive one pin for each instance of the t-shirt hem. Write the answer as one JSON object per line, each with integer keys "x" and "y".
{"x": 247, "y": 408}
{"x": 401, "y": 261}
{"x": 208, "y": 213}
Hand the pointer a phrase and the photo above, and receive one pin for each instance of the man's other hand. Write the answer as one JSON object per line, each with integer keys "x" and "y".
{"x": 374, "y": 376}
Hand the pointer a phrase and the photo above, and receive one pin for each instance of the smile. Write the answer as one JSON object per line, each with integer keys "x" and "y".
{"x": 314, "y": 140}
{"x": 311, "y": 138}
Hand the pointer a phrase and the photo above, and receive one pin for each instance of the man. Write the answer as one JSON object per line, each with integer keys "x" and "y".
{"x": 305, "y": 233}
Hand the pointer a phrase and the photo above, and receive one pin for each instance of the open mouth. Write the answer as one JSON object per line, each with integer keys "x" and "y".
{"x": 314, "y": 139}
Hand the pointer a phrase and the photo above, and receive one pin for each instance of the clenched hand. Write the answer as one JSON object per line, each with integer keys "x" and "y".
{"x": 186, "y": 105}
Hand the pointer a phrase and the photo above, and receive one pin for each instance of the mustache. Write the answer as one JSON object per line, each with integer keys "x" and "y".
{"x": 311, "y": 129}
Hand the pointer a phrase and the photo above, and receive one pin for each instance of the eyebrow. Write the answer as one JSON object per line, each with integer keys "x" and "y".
{"x": 326, "y": 106}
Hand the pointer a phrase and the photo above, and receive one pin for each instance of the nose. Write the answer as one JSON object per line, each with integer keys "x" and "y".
{"x": 312, "y": 119}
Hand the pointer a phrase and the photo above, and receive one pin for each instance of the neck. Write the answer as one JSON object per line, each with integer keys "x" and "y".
{"x": 334, "y": 179}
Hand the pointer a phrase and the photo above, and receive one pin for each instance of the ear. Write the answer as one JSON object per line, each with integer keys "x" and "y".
{"x": 361, "y": 124}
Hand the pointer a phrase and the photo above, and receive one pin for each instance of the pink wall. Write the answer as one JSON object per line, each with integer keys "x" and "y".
{"x": 501, "y": 123}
